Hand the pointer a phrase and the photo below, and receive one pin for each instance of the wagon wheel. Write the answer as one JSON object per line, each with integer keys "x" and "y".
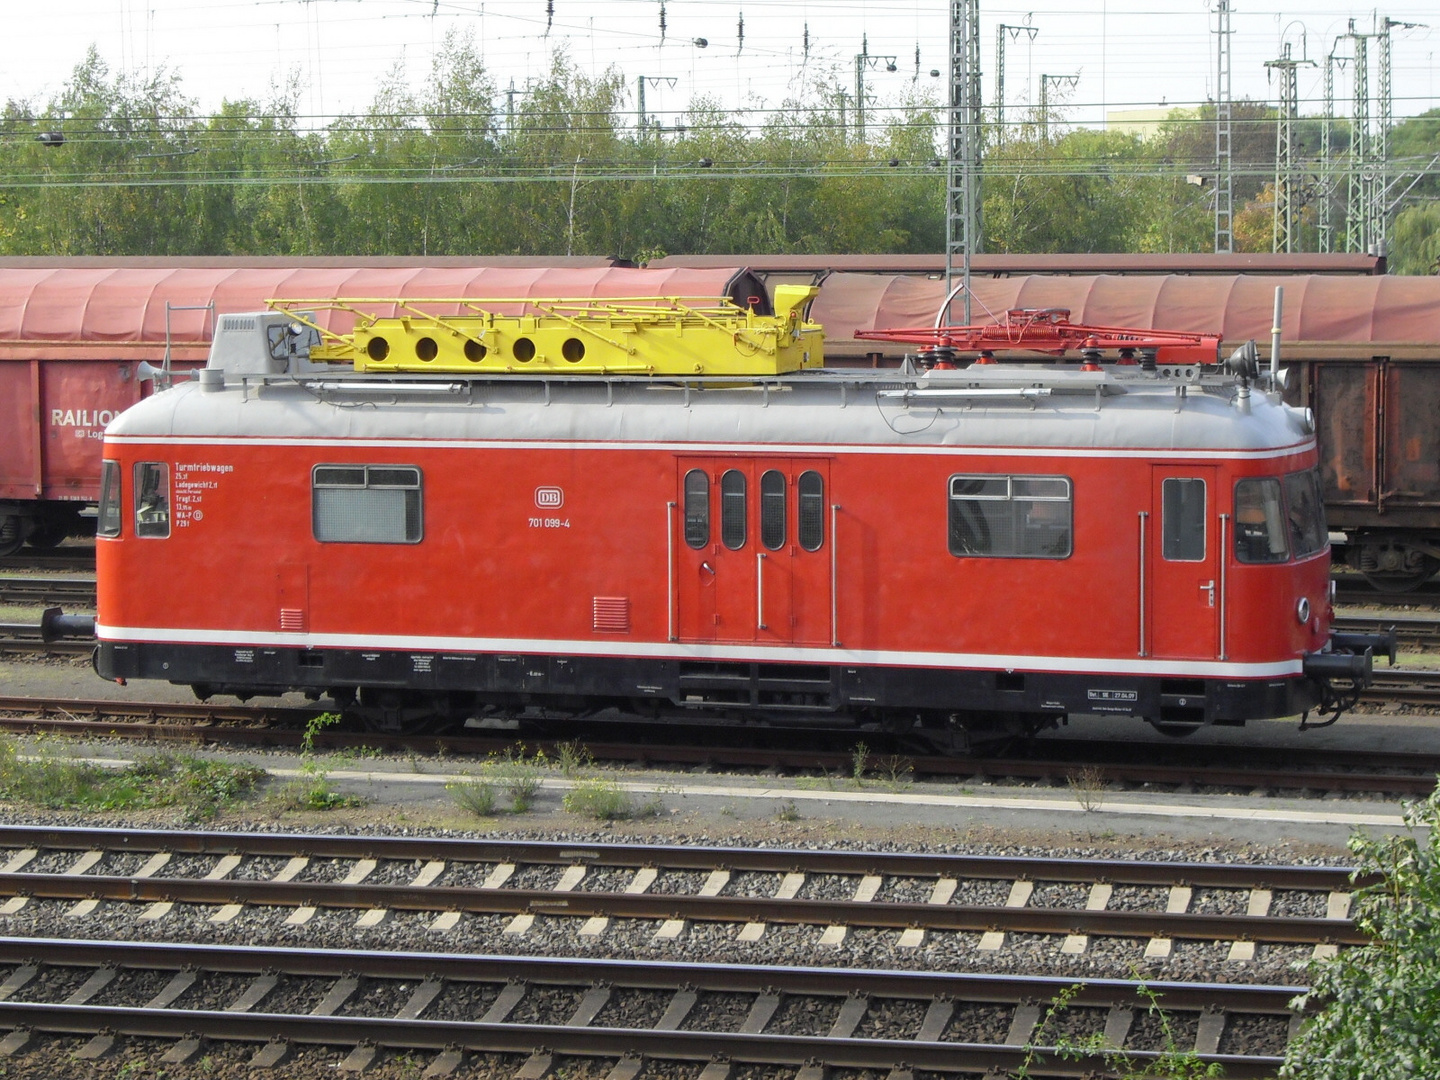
{"x": 1393, "y": 567}
{"x": 11, "y": 535}
{"x": 395, "y": 712}
{"x": 46, "y": 537}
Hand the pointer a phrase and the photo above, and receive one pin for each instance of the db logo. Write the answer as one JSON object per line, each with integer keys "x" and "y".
{"x": 549, "y": 498}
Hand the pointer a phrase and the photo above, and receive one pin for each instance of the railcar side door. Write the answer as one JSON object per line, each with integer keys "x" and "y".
{"x": 752, "y": 551}
{"x": 1182, "y": 560}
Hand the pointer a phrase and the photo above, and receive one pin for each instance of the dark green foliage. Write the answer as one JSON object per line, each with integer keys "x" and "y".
{"x": 1378, "y": 1005}
{"x": 562, "y": 167}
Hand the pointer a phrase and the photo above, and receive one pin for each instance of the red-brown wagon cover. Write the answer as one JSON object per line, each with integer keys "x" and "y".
{"x": 119, "y": 310}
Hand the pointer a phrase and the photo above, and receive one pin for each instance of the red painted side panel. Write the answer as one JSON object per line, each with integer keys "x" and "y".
{"x": 500, "y": 560}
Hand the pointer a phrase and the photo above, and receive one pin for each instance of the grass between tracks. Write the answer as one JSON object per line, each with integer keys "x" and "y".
{"x": 200, "y": 789}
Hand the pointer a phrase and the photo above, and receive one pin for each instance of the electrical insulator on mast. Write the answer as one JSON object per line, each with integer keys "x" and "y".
{"x": 662, "y": 20}
{"x": 740, "y": 34}
{"x": 549, "y": 14}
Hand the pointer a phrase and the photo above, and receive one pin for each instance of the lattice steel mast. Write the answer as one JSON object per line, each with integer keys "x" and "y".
{"x": 1283, "y": 225}
{"x": 1000, "y": 33}
{"x": 1357, "y": 207}
{"x": 962, "y": 182}
{"x": 1327, "y": 158}
{"x": 1224, "y": 172}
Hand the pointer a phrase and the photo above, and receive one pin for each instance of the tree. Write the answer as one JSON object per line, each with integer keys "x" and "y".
{"x": 1416, "y": 240}
{"x": 1378, "y": 1012}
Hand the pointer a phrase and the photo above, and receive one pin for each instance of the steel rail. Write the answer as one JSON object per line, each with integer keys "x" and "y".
{"x": 586, "y": 1041}
{"x": 652, "y": 975}
{"x": 678, "y": 857}
{"x": 47, "y": 590}
{"x": 1422, "y": 630}
{"x": 80, "y": 558}
{"x": 1255, "y": 767}
{"x": 477, "y": 900}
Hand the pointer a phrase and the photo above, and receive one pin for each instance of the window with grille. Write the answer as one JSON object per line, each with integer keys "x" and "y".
{"x": 732, "y": 509}
{"x": 697, "y": 508}
{"x": 367, "y": 504}
{"x": 811, "y": 504}
{"x": 772, "y": 509}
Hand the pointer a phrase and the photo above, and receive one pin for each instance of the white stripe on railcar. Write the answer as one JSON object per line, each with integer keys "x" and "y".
{"x": 1100, "y": 667}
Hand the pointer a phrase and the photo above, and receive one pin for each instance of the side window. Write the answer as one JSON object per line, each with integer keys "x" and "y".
{"x": 772, "y": 509}
{"x": 1183, "y": 524}
{"x": 108, "y": 520}
{"x": 1305, "y": 513}
{"x": 811, "y": 510}
{"x": 1259, "y": 522}
{"x": 697, "y": 508}
{"x": 152, "y": 499}
{"x": 1010, "y": 516}
{"x": 732, "y": 509}
{"x": 366, "y": 504}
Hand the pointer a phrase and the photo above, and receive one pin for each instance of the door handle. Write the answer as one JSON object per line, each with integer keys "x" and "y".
{"x": 760, "y": 591}
{"x": 1209, "y": 587}
{"x": 707, "y": 567}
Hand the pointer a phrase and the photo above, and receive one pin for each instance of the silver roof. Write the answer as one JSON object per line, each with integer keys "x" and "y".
{"x": 992, "y": 406}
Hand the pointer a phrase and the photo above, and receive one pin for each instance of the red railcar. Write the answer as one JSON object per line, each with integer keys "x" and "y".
{"x": 996, "y": 547}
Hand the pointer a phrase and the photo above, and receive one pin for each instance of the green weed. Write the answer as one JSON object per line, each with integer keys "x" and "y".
{"x": 200, "y": 787}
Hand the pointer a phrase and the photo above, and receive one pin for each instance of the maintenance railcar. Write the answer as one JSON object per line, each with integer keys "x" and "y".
{"x": 986, "y": 549}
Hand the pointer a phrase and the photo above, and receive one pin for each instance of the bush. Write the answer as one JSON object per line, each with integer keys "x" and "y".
{"x": 1378, "y": 1015}
{"x": 474, "y": 796}
{"x": 605, "y": 800}
{"x": 512, "y": 774}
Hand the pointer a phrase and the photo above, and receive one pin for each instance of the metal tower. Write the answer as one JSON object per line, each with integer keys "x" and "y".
{"x": 1327, "y": 160}
{"x": 1000, "y": 32}
{"x": 865, "y": 62}
{"x": 1284, "y": 226}
{"x": 1224, "y": 172}
{"x": 1357, "y": 208}
{"x": 962, "y": 181}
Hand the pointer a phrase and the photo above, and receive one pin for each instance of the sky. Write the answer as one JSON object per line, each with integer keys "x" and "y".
{"x": 1125, "y": 55}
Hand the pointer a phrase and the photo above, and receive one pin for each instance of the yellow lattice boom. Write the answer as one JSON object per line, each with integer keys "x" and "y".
{"x": 663, "y": 335}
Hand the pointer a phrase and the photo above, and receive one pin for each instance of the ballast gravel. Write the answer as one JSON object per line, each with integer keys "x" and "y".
{"x": 636, "y": 939}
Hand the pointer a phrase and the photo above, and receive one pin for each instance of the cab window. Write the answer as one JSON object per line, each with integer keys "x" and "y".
{"x": 152, "y": 499}
{"x": 108, "y": 519}
{"x": 1305, "y": 514}
{"x": 1259, "y": 522}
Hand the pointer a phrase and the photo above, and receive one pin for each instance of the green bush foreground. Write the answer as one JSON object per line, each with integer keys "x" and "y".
{"x": 1378, "y": 1006}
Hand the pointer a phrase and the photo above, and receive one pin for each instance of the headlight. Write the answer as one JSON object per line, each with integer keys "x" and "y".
{"x": 1302, "y": 610}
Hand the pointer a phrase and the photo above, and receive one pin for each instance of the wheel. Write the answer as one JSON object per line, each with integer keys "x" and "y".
{"x": 1174, "y": 730}
{"x": 396, "y": 712}
{"x": 12, "y": 536}
{"x": 46, "y": 537}
{"x": 1395, "y": 567}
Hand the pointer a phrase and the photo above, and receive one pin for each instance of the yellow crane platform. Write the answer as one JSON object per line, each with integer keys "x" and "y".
{"x": 663, "y": 335}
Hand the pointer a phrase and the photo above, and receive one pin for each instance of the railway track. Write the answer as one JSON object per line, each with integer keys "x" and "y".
{"x": 750, "y": 888}
{"x": 1052, "y": 761}
{"x": 46, "y": 590}
{"x": 616, "y": 1011}
{"x": 79, "y": 557}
